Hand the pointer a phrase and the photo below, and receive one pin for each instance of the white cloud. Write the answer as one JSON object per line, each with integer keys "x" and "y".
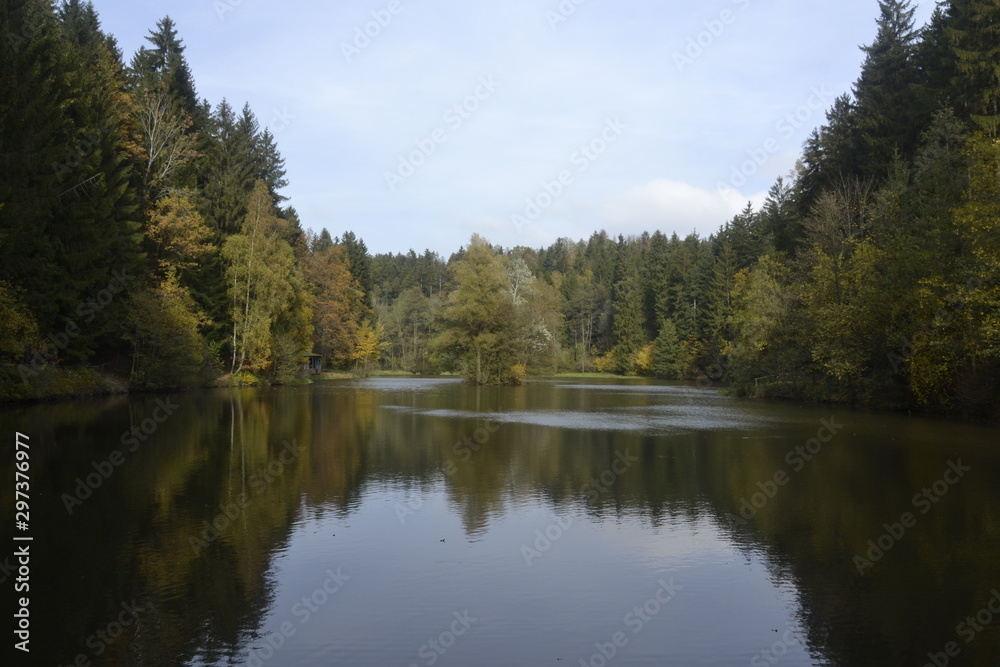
{"x": 675, "y": 206}
{"x": 687, "y": 130}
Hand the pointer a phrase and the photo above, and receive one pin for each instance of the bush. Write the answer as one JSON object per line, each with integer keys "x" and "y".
{"x": 606, "y": 363}
{"x": 518, "y": 374}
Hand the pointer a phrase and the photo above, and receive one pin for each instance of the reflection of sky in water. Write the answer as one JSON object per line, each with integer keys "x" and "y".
{"x": 656, "y": 419}
{"x": 579, "y": 588}
{"x": 458, "y": 543}
{"x": 397, "y": 383}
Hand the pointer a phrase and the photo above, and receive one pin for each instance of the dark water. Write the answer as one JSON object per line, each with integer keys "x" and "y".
{"x": 425, "y": 522}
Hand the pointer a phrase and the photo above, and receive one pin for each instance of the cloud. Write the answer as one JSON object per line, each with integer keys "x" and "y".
{"x": 675, "y": 206}
{"x": 688, "y": 130}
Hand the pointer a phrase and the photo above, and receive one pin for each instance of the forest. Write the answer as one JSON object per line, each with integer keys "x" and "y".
{"x": 145, "y": 243}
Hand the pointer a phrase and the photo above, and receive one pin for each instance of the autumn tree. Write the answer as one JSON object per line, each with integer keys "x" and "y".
{"x": 177, "y": 234}
{"x": 478, "y": 315}
{"x": 368, "y": 344}
{"x": 260, "y": 266}
{"x": 336, "y": 299}
{"x": 167, "y": 139}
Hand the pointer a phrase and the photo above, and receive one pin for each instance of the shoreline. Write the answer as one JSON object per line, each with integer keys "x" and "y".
{"x": 68, "y": 384}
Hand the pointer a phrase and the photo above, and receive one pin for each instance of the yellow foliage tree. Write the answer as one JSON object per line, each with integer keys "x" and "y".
{"x": 368, "y": 345}
{"x": 177, "y": 233}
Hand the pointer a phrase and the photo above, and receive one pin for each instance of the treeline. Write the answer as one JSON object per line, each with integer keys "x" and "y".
{"x": 142, "y": 230}
{"x": 871, "y": 275}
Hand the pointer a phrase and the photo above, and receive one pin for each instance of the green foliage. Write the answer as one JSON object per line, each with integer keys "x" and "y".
{"x": 958, "y": 347}
{"x": 477, "y": 316}
{"x": 243, "y": 378}
{"x": 973, "y": 27}
{"x": 873, "y": 271}
{"x": 629, "y": 330}
{"x": 667, "y": 363}
{"x": 767, "y": 322}
{"x": 163, "y": 326}
{"x": 162, "y": 65}
{"x": 260, "y": 274}
{"x": 890, "y": 113}
{"x": 65, "y": 167}
{"x": 19, "y": 334}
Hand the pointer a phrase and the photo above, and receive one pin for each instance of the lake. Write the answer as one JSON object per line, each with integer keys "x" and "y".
{"x": 397, "y": 521}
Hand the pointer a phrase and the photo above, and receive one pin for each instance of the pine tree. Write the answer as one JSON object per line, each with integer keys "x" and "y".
{"x": 162, "y": 65}
{"x": 720, "y": 296}
{"x": 889, "y": 114}
{"x": 781, "y": 223}
{"x": 974, "y": 28}
{"x": 357, "y": 254}
{"x": 227, "y": 171}
{"x": 667, "y": 362}
{"x": 934, "y": 56}
{"x": 68, "y": 208}
{"x": 656, "y": 279}
{"x": 831, "y": 154}
{"x": 628, "y": 327}
{"x": 322, "y": 242}
{"x": 269, "y": 166}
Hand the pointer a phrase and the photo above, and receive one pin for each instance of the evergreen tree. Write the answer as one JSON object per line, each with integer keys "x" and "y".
{"x": 162, "y": 65}
{"x": 831, "y": 154}
{"x": 974, "y": 28}
{"x": 269, "y": 166}
{"x": 720, "y": 296}
{"x": 360, "y": 261}
{"x": 935, "y": 61}
{"x": 68, "y": 212}
{"x": 656, "y": 279}
{"x": 628, "y": 327}
{"x": 889, "y": 113}
{"x": 781, "y": 223}
{"x": 227, "y": 171}
{"x": 322, "y": 242}
{"x": 667, "y": 352}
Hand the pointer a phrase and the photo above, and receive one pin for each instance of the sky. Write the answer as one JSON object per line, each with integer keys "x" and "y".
{"x": 417, "y": 123}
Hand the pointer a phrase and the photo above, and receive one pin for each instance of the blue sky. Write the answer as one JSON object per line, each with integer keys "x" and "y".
{"x": 416, "y": 123}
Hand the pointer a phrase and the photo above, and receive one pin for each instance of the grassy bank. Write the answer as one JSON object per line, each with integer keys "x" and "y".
{"x": 56, "y": 382}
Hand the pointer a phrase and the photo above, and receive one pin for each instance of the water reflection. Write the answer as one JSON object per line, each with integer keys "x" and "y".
{"x": 548, "y": 512}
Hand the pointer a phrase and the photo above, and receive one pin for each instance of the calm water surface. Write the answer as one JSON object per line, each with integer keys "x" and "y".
{"x": 426, "y": 522}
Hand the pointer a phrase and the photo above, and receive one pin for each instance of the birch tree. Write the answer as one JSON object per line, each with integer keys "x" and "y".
{"x": 260, "y": 266}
